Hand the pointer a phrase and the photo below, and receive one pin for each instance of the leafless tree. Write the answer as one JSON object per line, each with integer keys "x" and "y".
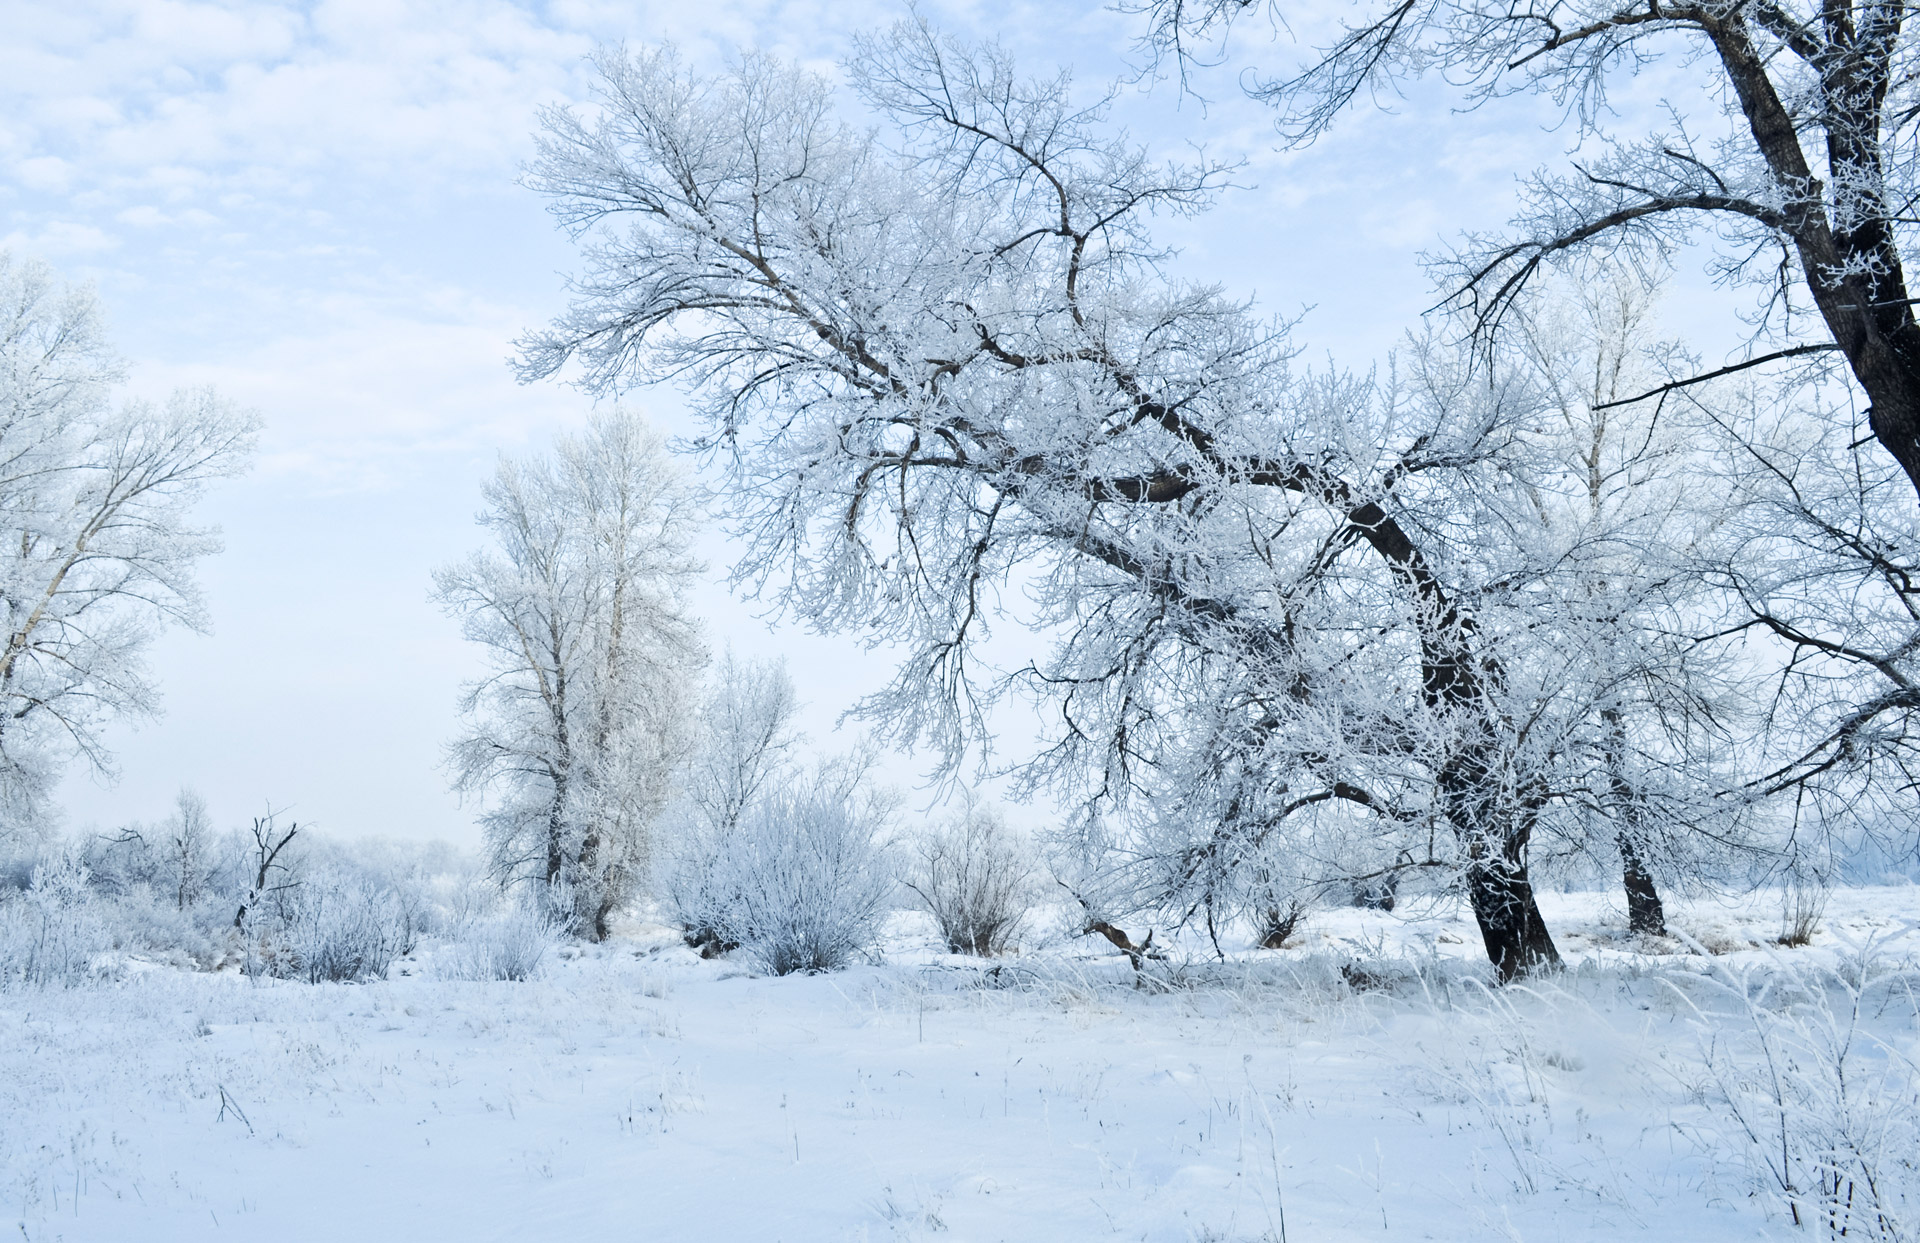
{"x": 270, "y": 841}
{"x": 189, "y": 843}
{"x": 1267, "y": 590}
{"x": 747, "y": 739}
{"x": 581, "y": 610}
{"x": 1803, "y": 167}
{"x": 95, "y": 549}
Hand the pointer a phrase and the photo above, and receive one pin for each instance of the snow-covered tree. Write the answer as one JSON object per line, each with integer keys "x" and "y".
{"x": 746, "y": 740}
{"x": 1788, "y": 145}
{"x": 1790, "y": 139}
{"x": 947, "y": 354}
{"x": 96, "y": 551}
{"x": 580, "y": 606}
{"x": 1624, "y": 503}
{"x": 188, "y": 847}
{"x": 1817, "y": 582}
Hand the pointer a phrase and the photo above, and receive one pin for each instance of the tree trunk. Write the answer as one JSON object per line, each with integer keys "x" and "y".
{"x": 1516, "y": 937}
{"x": 1892, "y": 382}
{"x": 556, "y": 830}
{"x": 1645, "y": 914}
{"x": 1852, "y": 266}
{"x": 1495, "y": 838}
{"x": 592, "y": 895}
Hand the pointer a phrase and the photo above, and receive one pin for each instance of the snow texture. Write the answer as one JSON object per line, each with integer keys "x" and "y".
{"x": 1364, "y": 1084}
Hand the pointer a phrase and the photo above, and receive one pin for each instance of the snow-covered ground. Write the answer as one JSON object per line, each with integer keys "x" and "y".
{"x": 1363, "y": 1085}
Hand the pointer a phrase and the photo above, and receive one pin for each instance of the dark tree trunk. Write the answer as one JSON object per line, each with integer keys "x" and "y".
{"x": 556, "y": 830}
{"x": 1516, "y": 937}
{"x": 1645, "y": 914}
{"x": 1892, "y": 381}
{"x": 1498, "y": 888}
{"x": 1852, "y": 265}
{"x": 588, "y": 872}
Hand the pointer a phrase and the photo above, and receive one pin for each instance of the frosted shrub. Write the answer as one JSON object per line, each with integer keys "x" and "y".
{"x": 142, "y": 921}
{"x": 49, "y": 933}
{"x": 510, "y": 944}
{"x": 1802, "y": 903}
{"x": 339, "y": 928}
{"x": 1276, "y": 920}
{"x": 695, "y": 885}
{"x": 975, "y": 878}
{"x": 456, "y": 900}
{"x": 746, "y": 742}
{"x": 800, "y": 882}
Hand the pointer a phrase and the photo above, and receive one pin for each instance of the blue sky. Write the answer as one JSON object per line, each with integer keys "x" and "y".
{"x": 313, "y": 207}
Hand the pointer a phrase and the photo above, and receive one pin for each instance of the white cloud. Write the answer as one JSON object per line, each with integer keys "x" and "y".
{"x": 368, "y": 389}
{"x": 58, "y": 239}
{"x": 43, "y": 172}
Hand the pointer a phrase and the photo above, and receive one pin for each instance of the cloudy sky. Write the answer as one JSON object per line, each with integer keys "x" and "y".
{"x": 314, "y": 207}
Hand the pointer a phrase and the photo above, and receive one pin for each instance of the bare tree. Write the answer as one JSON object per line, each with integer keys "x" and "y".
{"x": 1266, "y": 589}
{"x": 746, "y": 740}
{"x": 270, "y": 841}
{"x": 1804, "y": 171}
{"x": 95, "y": 549}
{"x": 1818, "y": 583}
{"x": 581, "y": 609}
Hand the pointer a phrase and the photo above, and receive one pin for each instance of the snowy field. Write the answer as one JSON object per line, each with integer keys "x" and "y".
{"x": 1364, "y": 1084}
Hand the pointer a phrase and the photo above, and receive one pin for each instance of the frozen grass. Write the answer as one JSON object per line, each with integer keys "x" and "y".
{"x": 1368, "y": 1084}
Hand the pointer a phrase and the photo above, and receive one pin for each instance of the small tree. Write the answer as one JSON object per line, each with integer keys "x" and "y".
{"x": 189, "y": 841}
{"x": 746, "y": 742}
{"x": 581, "y": 609}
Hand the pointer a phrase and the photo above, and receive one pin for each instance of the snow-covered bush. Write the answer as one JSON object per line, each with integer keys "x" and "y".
{"x": 1276, "y": 923}
{"x": 140, "y": 921}
{"x": 801, "y": 879}
{"x": 333, "y": 926}
{"x": 509, "y": 944}
{"x": 975, "y": 877}
{"x": 50, "y": 932}
{"x": 745, "y": 748}
{"x": 1823, "y": 1109}
{"x": 1802, "y": 902}
{"x": 810, "y": 880}
{"x": 458, "y": 896}
{"x": 314, "y": 909}
{"x": 693, "y": 886}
